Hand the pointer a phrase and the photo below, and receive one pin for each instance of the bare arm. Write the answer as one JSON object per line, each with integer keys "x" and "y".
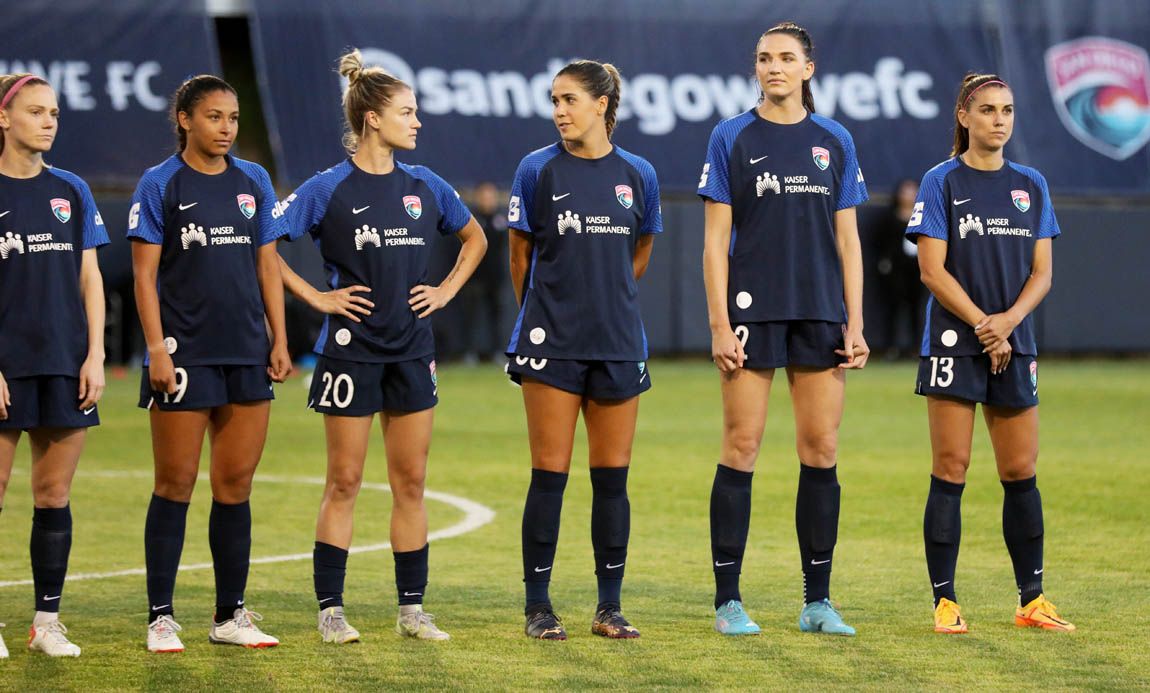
{"x": 272, "y": 290}
{"x": 726, "y": 349}
{"x": 642, "y": 256}
{"x": 145, "y": 266}
{"x": 942, "y": 284}
{"x": 855, "y": 348}
{"x": 343, "y": 301}
{"x": 425, "y": 300}
{"x": 92, "y": 292}
{"x": 520, "y": 244}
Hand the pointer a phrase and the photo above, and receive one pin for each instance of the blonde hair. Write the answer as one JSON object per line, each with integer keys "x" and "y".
{"x": 368, "y": 89}
{"x": 6, "y": 84}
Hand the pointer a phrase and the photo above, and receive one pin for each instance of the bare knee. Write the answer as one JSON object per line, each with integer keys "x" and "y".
{"x": 232, "y": 486}
{"x": 175, "y": 484}
{"x": 741, "y": 448}
{"x": 819, "y": 450}
{"x": 951, "y": 465}
{"x": 1018, "y": 467}
{"x": 343, "y": 485}
{"x": 50, "y": 493}
{"x": 407, "y": 489}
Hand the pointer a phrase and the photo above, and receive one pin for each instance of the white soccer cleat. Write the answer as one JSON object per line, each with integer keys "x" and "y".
{"x": 239, "y": 630}
{"x": 162, "y": 635}
{"x": 50, "y": 639}
{"x": 3, "y": 647}
{"x": 334, "y": 628}
{"x": 414, "y": 623}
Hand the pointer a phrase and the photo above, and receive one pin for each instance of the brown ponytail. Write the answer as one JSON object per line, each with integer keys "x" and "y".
{"x": 971, "y": 83}
{"x": 599, "y": 79}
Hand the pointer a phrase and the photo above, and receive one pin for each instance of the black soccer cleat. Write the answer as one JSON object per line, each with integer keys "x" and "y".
{"x": 610, "y": 623}
{"x": 543, "y": 624}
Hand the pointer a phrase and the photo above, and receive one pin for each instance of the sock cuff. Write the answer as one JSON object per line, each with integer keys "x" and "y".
{"x": 609, "y": 479}
{"x": 543, "y": 480}
{"x": 947, "y": 487}
{"x": 732, "y": 476}
{"x": 1021, "y": 485}
{"x": 231, "y": 509}
{"x": 818, "y": 475}
{"x": 418, "y": 554}
{"x": 53, "y": 519}
{"x": 324, "y": 550}
{"x": 160, "y": 500}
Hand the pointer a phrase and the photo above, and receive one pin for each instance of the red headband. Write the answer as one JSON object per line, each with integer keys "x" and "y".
{"x": 15, "y": 88}
{"x": 984, "y": 84}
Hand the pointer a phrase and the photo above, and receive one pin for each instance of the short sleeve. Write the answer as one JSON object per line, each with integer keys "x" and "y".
{"x": 522, "y": 195}
{"x": 714, "y": 182}
{"x": 852, "y": 191}
{"x": 453, "y": 214}
{"x": 1047, "y": 223}
{"x": 929, "y": 217}
{"x": 94, "y": 232}
{"x": 146, "y": 215}
{"x": 271, "y": 222}
{"x": 304, "y": 209}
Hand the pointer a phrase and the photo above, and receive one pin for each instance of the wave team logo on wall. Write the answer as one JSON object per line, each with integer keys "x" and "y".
{"x": 1101, "y": 89}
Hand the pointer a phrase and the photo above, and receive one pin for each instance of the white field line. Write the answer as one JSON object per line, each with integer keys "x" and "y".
{"x": 475, "y": 515}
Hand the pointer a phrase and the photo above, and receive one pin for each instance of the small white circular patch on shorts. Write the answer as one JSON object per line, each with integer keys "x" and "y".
{"x": 343, "y": 337}
{"x": 949, "y": 338}
{"x": 743, "y": 300}
{"x": 170, "y": 344}
{"x": 538, "y": 335}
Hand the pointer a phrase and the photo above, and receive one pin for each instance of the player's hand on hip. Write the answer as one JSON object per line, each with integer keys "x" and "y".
{"x": 855, "y": 349}
{"x": 161, "y": 373}
{"x": 92, "y": 382}
{"x": 279, "y": 363}
{"x": 727, "y": 350}
{"x": 425, "y": 299}
{"x": 344, "y": 302}
{"x": 1000, "y": 358}
{"x": 5, "y": 398}
{"x": 994, "y": 329}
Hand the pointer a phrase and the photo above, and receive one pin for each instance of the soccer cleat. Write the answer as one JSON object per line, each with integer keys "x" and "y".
{"x": 610, "y": 623}
{"x": 821, "y": 617}
{"x": 162, "y": 635}
{"x": 413, "y": 622}
{"x": 731, "y": 619}
{"x": 50, "y": 639}
{"x": 1040, "y": 613}
{"x": 948, "y": 618}
{"x": 334, "y": 628}
{"x": 239, "y": 630}
{"x": 544, "y": 625}
{"x": 3, "y": 647}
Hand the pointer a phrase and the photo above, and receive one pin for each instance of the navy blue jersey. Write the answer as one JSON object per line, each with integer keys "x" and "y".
{"x": 210, "y": 227}
{"x": 46, "y": 222}
{"x": 784, "y": 184}
{"x": 585, "y": 217}
{"x": 376, "y": 230}
{"x": 990, "y": 221}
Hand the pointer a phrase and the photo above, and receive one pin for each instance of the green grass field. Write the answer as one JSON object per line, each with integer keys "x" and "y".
{"x": 1092, "y": 472}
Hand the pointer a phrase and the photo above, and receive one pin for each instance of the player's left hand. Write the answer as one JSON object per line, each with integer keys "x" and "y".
{"x": 993, "y": 330}
{"x": 425, "y": 299}
{"x": 91, "y": 382}
{"x": 855, "y": 349}
{"x": 279, "y": 363}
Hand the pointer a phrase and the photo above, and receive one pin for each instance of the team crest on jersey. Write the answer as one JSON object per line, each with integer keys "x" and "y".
{"x": 822, "y": 157}
{"x": 62, "y": 209}
{"x": 624, "y": 195}
{"x": 247, "y": 205}
{"x": 1021, "y": 199}
{"x": 1034, "y": 376}
{"x": 1101, "y": 90}
{"x": 434, "y": 377}
{"x": 413, "y": 205}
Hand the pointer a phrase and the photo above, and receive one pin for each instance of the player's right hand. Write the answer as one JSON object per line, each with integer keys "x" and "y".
{"x": 161, "y": 373}
{"x": 344, "y": 302}
{"x": 727, "y": 350}
{"x": 1000, "y": 357}
{"x": 5, "y": 398}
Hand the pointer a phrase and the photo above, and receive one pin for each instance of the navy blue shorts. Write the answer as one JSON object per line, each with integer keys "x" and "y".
{"x": 809, "y": 343}
{"x": 968, "y": 378}
{"x": 204, "y": 387}
{"x": 47, "y": 401}
{"x": 593, "y": 379}
{"x": 350, "y": 388}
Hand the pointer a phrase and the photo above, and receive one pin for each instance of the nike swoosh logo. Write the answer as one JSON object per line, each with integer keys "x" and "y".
{"x": 164, "y": 606}
{"x": 89, "y": 410}
{"x": 183, "y": 206}
{"x": 320, "y": 601}
{"x": 413, "y": 594}
{"x": 720, "y": 565}
{"x": 542, "y": 570}
{"x": 612, "y": 567}
{"x": 1039, "y": 571}
{"x": 556, "y": 198}
{"x": 355, "y": 210}
{"x": 941, "y": 583}
{"x": 814, "y": 562}
{"x": 961, "y": 202}
{"x": 755, "y": 161}
{"x": 643, "y": 378}
{"x": 4, "y": 214}
{"x": 50, "y": 599}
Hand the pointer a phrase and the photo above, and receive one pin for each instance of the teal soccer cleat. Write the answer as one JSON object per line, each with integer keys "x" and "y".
{"x": 731, "y": 619}
{"x": 821, "y": 617}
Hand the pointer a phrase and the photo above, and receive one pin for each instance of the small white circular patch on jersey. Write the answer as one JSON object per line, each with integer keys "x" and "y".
{"x": 949, "y": 338}
{"x": 743, "y": 300}
{"x": 170, "y": 344}
{"x": 538, "y": 335}
{"x": 343, "y": 337}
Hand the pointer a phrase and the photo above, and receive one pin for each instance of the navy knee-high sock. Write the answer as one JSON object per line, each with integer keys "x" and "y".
{"x": 541, "y": 533}
{"x": 610, "y": 530}
{"x": 942, "y": 533}
{"x": 230, "y": 537}
{"x": 730, "y": 523}
{"x": 411, "y": 575}
{"x": 817, "y": 525}
{"x": 163, "y": 544}
{"x": 50, "y": 545}
{"x": 329, "y": 566}
{"x": 1023, "y": 530}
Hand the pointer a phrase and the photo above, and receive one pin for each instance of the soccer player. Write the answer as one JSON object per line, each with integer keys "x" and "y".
{"x": 984, "y": 226}
{"x": 374, "y": 220}
{"x": 583, "y": 214}
{"x": 783, "y": 272}
{"x": 51, "y": 333}
{"x": 203, "y": 226}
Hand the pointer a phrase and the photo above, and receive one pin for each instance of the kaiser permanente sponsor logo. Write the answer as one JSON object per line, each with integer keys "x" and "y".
{"x": 658, "y": 102}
